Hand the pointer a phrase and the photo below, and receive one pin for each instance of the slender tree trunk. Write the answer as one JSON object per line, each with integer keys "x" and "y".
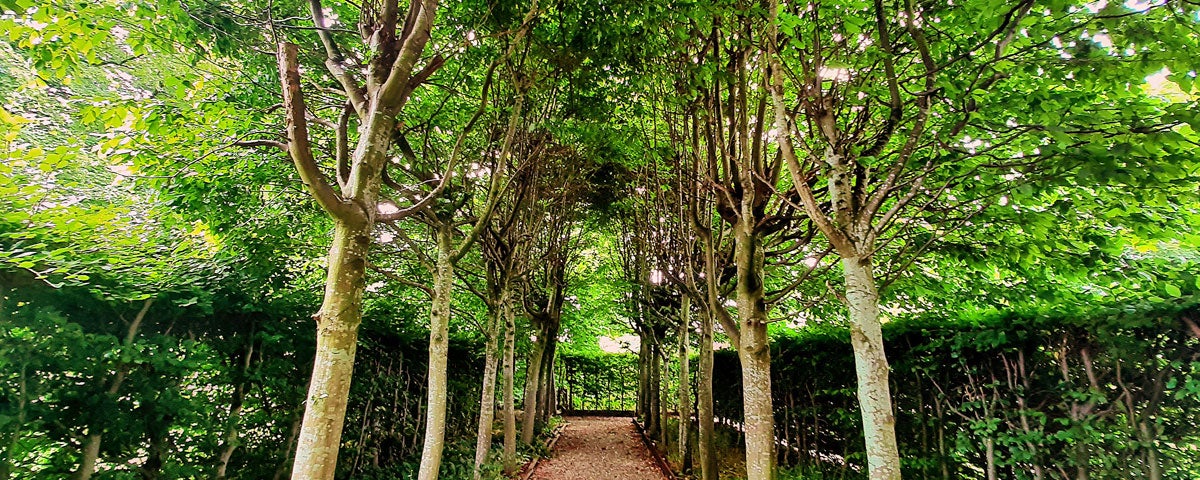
{"x": 510, "y": 414}
{"x": 231, "y": 433}
{"x": 439, "y": 351}
{"x": 685, "y": 382}
{"x": 235, "y": 410}
{"x": 546, "y": 400}
{"x": 286, "y": 449}
{"x": 664, "y": 397}
{"x": 643, "y": 391}
{"x": 10, "y": 450}
{"x": 487, "y": 402}
{"x": 1081, "y": 462}
{"x": 532, "y": 374}
{"x": 333, "y": 366}
{"x": 755, "y": 355}
{"x": 1153, "y": 464}
{"x": 91, "y": 446}
{"x": 654, "y": 400}
{"x": 871, "y": 365}
{"x": 704, "y": 401}
{"x": 989, "y": 452}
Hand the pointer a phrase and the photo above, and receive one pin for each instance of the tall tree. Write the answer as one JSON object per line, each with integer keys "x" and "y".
{"x": 377, "y": 99}
{"x": 894, "y": 115}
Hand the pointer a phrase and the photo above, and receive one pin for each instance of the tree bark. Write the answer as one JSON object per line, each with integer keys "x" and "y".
{"x": 755, "y": 355}
{"x": 546, "y": 401}
{"x": 286, "y": 449}
{"x": 533, "y": 372}
{"x": 235, "y": 410}
{"x": 91, "y": 446}
{"x": 654, "y": 395}
{"x": 685, "y": 382}
{"x": 487, "y": 402}
{"x": 643, "y": 391}
{"x": 664, "y": 398}
{"x": 871, "y": 366}
{"x": 439, "y": 351}
{"x": 510, "y": 417}
{"x": 704, "y": 402}
{"x": 337, "y": 340}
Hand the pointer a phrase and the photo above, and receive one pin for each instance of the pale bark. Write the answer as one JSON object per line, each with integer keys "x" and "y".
{"x": 757, "y": 409}
{"x": 685, "y": 382}
{"x": 871, "y": 366}
{"x": 235, "y": 411}
{"x": 231, "y": 433}
{"x": 754, "y": 352}
{"x": 91, "y": 446}
{"x": 333, "y": 366}
{"x": 487, "y": 402}
{"x": 510, "y": 417}
{"x": 439, "y": 350}
{"x": 664, "y": 404}
{"x": 989, "y": 455}
{"x": 704, "y": 402}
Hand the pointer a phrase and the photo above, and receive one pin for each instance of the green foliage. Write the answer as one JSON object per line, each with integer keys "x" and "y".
{"x": 1106, "y": 389}
{"x": 598, "y": 381}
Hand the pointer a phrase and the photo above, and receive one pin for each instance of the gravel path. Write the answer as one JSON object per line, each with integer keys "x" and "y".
{"x": 599, "y": 448}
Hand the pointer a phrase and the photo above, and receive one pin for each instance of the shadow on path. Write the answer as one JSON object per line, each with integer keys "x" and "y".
{"x": 598, "y": 448}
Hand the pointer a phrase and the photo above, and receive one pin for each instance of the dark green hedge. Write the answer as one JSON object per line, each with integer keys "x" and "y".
{"x": 597, "y": 381}
{"x": 1113, "y": 394}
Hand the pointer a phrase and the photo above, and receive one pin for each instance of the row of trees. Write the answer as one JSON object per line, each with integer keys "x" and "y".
{"x": 449, "y": 190}
{"x": 757, "y": 161}
{"x": 877, "y": 142}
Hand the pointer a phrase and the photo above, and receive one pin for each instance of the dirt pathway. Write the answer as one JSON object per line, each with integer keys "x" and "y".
{"x": 598, "y": 448}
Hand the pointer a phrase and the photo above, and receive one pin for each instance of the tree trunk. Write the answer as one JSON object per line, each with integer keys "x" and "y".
{"x": 439, "y": 351}
{"x": 10, "y": 449}
{"x": 755, "y": 355}
{"x": 91, "y": 446}
{"x": 546, "y": 401}
{"x": 235, "y": 410}
{"x": 286, "y": 449}
{"x": 487, "y": 402}
{"x": 533, "y": 372}
{"x": 510, "y": 416}
{"x": 231, "y": 433}
{"x": 871, "y": 365}
{"x": 685, "y": 382}
{"x": 989, "y": 452}
{"x": 333, "y": 366}
{"x": 759, "y": 414}
{"x": 654, "y": 394}
{"x": 1153, "y": 464}
{"x": 704, "y": 402}
{"x": 643, "y": 391}
{"x": 664, "y": 397}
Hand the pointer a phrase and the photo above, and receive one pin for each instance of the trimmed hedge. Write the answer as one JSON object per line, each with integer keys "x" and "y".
{"x": 1019, "y": 396}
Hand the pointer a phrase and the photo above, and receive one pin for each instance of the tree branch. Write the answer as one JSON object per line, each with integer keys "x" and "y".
{"x": 298, "y": 142}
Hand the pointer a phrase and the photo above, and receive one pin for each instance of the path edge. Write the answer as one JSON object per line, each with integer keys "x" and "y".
{"x": 658, "y": 458}
{"x": 549, "y": 450}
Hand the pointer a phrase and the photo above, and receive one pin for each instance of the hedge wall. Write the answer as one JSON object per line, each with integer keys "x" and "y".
{"x": 1110, "y": 395}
